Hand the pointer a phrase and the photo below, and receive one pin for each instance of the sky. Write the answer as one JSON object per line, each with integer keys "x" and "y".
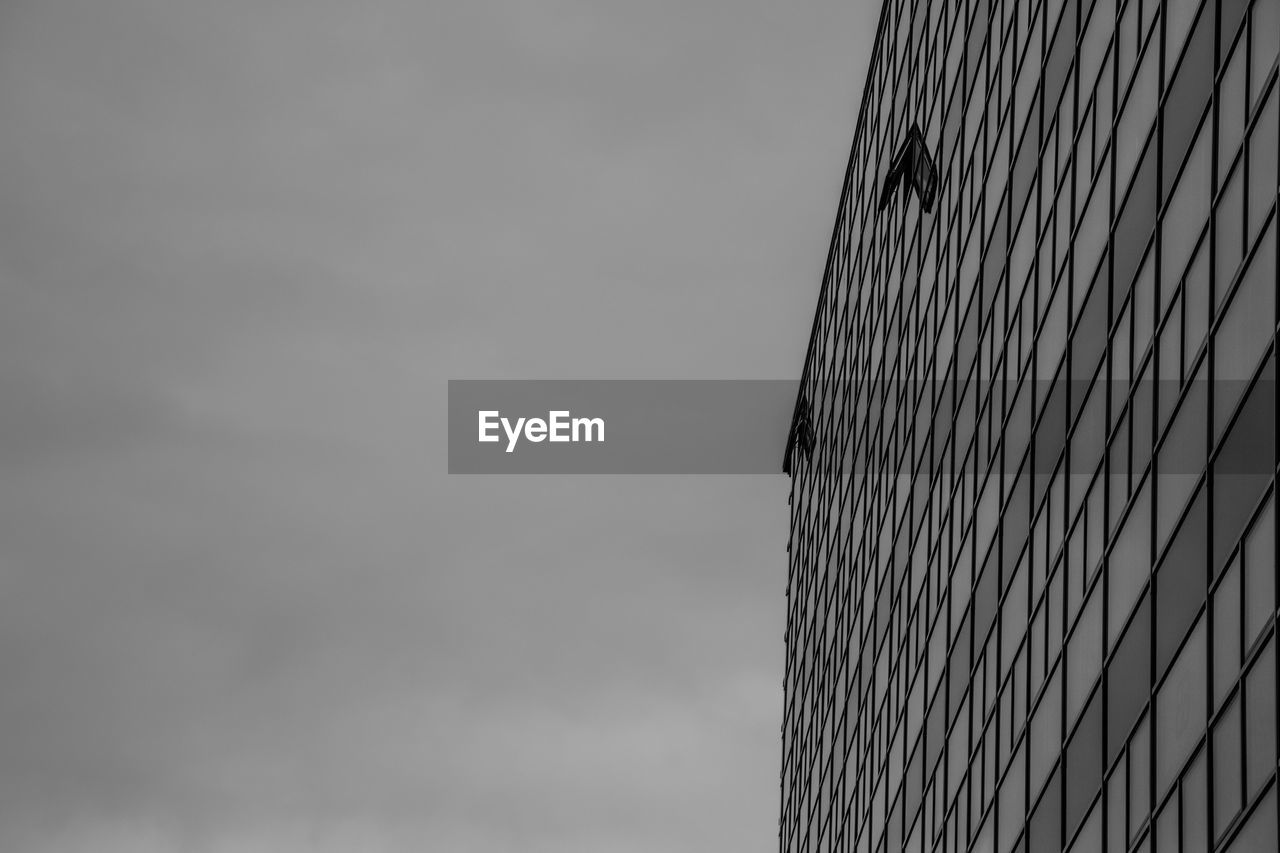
{"x": 243, "y": 247}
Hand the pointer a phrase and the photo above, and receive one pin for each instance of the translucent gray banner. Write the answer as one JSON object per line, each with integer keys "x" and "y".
{"x": 618, "y": 426}
{"x": 742, "y": 426}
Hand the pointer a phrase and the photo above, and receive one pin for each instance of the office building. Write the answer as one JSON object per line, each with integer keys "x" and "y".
{"x": 1032, "y": 575}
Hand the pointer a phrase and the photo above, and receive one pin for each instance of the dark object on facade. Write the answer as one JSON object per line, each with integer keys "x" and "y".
{"x": 801, "y": 435}
{"x": 1032, "y": 581}
{"x": 915, "y": 165}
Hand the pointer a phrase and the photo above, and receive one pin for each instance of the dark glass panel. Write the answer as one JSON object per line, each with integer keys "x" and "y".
{"x": 1130, "y": 561}
{"x": 1051, "y": 431}
{"x": 1226, "y": 633}
{"x": 1024, "y": 168}
{"x": 1263, "y": 151}
{"x": 1139, "y": 776}
{"x": 977, "y": 35}
{"x": 984, "y": 602}
{"x": 1195, "y": 806}
{"x": 1264, "y": 34}
{"x": 1260, "y": 721}
{"x": 1227, "y": 777}
{"x": 1045, "y": 831}
{"x": 1084, "y": 762}
{"x": 1089, "y": 338}
{"x": 1232, "y": 12}
{"x": 1259, "y": 832}
{"x": 1117, "y": 790}
{"x": 1129, "y": 679}
{"x": 1231, "y": 107}
{"x": 1060, "y": 54}
{"x": 1241, "y": 470}
{"x": 1260, "y": 574}
{"x": 1182, "y": 456}
{"x": 1181, "y": 708}
{"x": 1134, "y": 224}
{"x": 1188, "y": 94}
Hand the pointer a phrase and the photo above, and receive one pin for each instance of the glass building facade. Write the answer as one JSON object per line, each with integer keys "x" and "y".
{"x": 1032, "y": 563}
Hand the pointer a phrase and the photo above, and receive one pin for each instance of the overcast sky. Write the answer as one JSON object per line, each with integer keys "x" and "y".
{"x": 243, "y": 245}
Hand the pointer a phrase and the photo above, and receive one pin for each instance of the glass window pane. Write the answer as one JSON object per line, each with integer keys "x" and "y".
{"x": 1012, "y": 801}
{"x": 1242, "y": 470}
{"x": 1226, "y": 768}
{"x": 1188, "y": 94}
{"x": 1090, "y": 838}
{"x": 1226, "y": 633}
{"x": 1260, "y": 574}
{"x": 1167, "y": 835}
{"x": 1136, "y": 119}
{"x": 1133, "y": 228}
{"x": 1189, "y": 209}
{"x": 1045, "y": 829}
{"x": 1178, "y": 16}
{"x": 1180, "y": 709}
{"x": 1181, "y": 582}
{"x": 1084, "y": 655}
{"x": 1196, "y": 298}
{"x": 1195, "y": 806}
{"x": 1084, "y": 762}
{"x": 1232, "y": 12}
{"x": 1260, "y": 721}
{"x": 1130, "y": 562}
{"x": 1263, "y": 145}
{"x": 1231, "y": 108}
{"x": 1144, "y": 308}
{"x": 1046, "y": 731}
{"x": 1229, "y": 236}
{"x": 1139, "y": 777}
{"x": 1249, "y": 322}
{"x": 1117, "y": 790}
{"x": 1127, "y": 40}
{"x": 1129, "y": 678}
{"x": 1259, "y": 832}
{"x": 1264, "y": 30}
{"x": 1182, "y": 456}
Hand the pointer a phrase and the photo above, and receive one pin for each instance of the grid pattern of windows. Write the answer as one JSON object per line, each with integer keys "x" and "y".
{"x": 1032, "y": 584}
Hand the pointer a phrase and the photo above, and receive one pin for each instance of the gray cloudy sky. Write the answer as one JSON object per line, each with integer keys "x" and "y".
{"x": 243, "y": 245}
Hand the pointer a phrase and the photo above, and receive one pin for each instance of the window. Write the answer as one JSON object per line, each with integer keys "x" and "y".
{"x": 1139, "y": 777}
{"x": 1260, "y": 574}
{"x": 1084, "y": 655}
{"x": 1242, "y": 470}
{"x": 1259, "y": 831}
{"x": 1229, "y": 236}
{"x": 1180, "y": 709}
{"x": 1084, "y": 763}
{"x": 1195, "y": 806}
{"x": 1226, "y": 768}
{"x": 1260, "y": 722}
{"x": 1129, "y": 678}
{"x": 1130, "y": 562}
{"x": 1226, "y": 633}
{"x": 1045, "y": 830}
{"x": 1262, "y": 166}
{"x": 1264, "y": 32}
{"x": 1117, "y": 790}
{"x": 1245, "y": 331}
{"x": 1182, "y": 456}
{"x": 1231, "y": 108}
{"x": 1188, "y": 93}
{"x": 1189, "y": 209}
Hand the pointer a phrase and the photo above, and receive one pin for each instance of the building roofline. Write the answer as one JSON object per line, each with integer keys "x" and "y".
{"x": 859, "y": 128}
